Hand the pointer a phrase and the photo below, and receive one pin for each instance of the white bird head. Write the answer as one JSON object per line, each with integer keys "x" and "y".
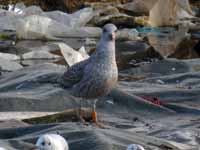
{"x": 135, "y": 147}
{"x": 51, "y": 142}
{"x": 109, "y": 31}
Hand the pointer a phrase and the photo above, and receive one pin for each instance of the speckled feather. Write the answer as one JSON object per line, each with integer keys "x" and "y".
{"x": 96, "y": 76}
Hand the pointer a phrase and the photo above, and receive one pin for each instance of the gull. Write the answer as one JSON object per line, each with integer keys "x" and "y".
{"x": 51, "y": 142}
{"x": 96, "y": 76}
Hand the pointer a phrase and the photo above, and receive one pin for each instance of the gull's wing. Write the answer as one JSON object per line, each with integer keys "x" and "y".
{"x": 74, "y": 74}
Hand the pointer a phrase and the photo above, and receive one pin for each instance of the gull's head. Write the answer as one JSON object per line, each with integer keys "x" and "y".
{"x": 51, "y": 142}
{"x": 44, "y": 143}
{"x": 109, "y": 31}
{"x": 135, "y": 147}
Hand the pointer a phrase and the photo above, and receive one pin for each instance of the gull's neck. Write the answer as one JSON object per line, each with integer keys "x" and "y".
{"x": 106, "y": 49}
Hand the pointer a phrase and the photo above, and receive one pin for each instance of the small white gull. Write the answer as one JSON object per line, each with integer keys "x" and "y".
{"x": 51, "y": 142}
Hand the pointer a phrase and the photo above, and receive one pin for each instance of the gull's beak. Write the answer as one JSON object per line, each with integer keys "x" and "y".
{"x": 34, "y": 148}
{"x": 113, "y": 36}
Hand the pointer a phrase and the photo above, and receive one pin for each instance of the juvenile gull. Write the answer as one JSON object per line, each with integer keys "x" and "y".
{"x": 96, "y": 76}
{"x": 51, "y": 142}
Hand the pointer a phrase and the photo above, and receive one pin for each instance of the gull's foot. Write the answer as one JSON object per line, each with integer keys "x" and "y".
{"x": 96, "y": 123}
{"x": 81, "y": 118}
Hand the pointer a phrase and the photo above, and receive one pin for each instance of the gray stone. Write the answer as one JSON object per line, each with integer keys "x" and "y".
{"x": 71, "y": 56}
{"x": 32, "y": 10}
{"x": 8, "y": 56}
{"x": 77, "y": 19}
{"x": 7, "y": 65}
{"x": 128, "y": 34}
{"x": 118, "y": 19}
{"x": 40, "y": 54}
{"x": 40, "y": 27}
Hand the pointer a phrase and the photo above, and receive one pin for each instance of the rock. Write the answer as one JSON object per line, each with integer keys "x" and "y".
{"x": 25, "y": 46}
{"x": 41, "y": 54}
{"x": 8, "y": 22}
{"x": 29, "y": 81}
{"x": 45, "y": 5}
{"x": 165, "y": 41}
{"x": 40, "y": 27}
{"x": 185, "y": 50}
{"x": 127, "y": 34}
{"x": 71, "y": 56}
{"x": 117, "y": 19}
{"x": 17, "y": 8}
{"x": 169, "y": 12}
{"x": 83, "y": 52}
{"x": 7, "y": 42}
{"x": 197, "y": 47}
{"x": 77, "y": 4}
{"x": 32, "y": 10}
{"x": 90, "y": 32}
{"x": 7, "y": 65}
{"x": 195, "y": 7}
{"x": 105, "y": 10}
{"x": 8, "y": 56}
{"x": 160, "y": 81}
{"x": 129, "y": 50}
{"x": 142, "y": 20}
{"x": 20, "y": 5}
{"x": 70, "y": 6}
{"x": 48, "y": 47}
{"x": 37, "y": 27}
{"x": 34, "y": 46}
{"x": 77, "y": 19}
{"x": 142, "y": 6}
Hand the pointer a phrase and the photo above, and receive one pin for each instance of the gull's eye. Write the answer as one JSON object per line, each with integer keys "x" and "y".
{"x": 49, "y": 143}
{"x": 104, "y": 30}
{"x": 43, "y": 143}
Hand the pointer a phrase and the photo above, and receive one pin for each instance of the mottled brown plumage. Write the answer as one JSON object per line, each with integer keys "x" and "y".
{"x": 96, "y": 76}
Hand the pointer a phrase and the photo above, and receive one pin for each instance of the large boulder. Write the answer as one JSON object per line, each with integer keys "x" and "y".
{"x": 117, "y": 19}
{"x": 8, "y": 20}
{"x": 41, "y": 54}
{"x": 40, "y": 27}
{"x": 77, "y": 4}
{"x": 77, "y": 19}
{"x": 166, "y": 40}
{"x": 126, "y": 51}
{"x": 70, "y": 55}
{"x": 70, "y": 6}
{"x": 142, "y": 6}
{"x": 184, "y": 50}
{"x": 169, "y": 12}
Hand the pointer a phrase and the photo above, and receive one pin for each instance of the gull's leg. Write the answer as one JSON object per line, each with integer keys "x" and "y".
{"x": 94, "y": 113}
{"x": 80, "y": 115}
{"x": 94, "y": 116}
